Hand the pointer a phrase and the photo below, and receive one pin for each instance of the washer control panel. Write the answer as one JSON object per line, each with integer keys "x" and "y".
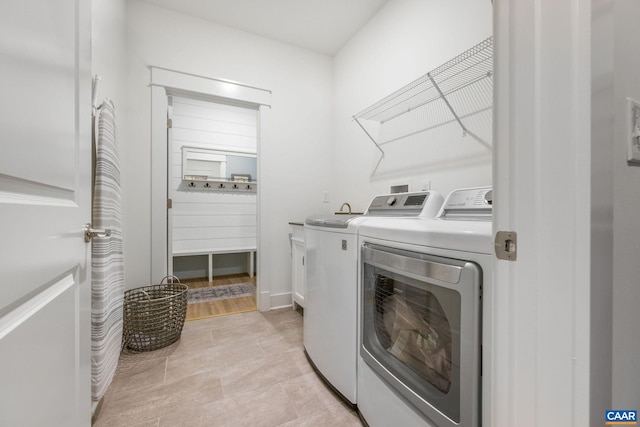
{"x": 405, "y": 204}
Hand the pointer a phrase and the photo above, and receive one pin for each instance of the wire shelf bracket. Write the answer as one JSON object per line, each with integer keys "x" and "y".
{"x": 444, "y": 98}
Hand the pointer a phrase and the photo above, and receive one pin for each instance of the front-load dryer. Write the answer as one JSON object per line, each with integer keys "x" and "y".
{"x": 331, "y": 259}
{"x": 421, "y": 293}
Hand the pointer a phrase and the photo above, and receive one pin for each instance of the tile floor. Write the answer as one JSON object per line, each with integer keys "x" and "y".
{"x": 244, "y": 369}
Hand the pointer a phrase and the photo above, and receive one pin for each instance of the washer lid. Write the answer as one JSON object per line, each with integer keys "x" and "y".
{"x": 333, "y": 221}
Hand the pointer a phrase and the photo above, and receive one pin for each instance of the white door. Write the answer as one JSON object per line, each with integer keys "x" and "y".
{"x": 45, "y": 181}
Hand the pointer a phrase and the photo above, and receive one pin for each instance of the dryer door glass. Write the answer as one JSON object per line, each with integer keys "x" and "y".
{"x": 411, "y": 325}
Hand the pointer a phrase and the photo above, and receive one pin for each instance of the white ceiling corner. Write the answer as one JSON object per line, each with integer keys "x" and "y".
{"x": 323, "y": 26}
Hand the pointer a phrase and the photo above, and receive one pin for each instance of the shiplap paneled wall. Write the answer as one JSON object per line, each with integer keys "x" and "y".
{"x": 206, "y": 220}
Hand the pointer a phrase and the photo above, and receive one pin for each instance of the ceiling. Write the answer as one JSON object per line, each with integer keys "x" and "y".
{"x": 320, "y": 25}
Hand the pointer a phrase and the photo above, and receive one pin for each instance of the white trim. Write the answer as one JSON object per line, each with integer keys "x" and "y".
{"x": 263, "y": 279}
{"x": 170, "y": 172}
{"x": 281, "y": 301}
{"x": 539, "y": 367}
{"x": 159, "y": 250}
{"x": 181, "y": 81}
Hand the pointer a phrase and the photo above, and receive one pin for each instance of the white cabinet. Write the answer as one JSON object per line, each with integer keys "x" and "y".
{"x": 298, "y": 269}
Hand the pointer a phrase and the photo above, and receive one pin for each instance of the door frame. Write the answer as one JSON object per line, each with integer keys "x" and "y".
{"x": 165, "y": 82}
{"x": 539, "y": 362}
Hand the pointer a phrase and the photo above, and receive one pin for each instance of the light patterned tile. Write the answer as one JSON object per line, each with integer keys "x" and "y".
{"x": 191, "y": 342}
{"x": 252, "y": 317}
{"x": 210, "y": 414}
{"x": 308, "y": 394}
{"x": 133, "y": 372}
{"x": 282, "y": 341}
{"x": 300, "y": 362}
{"x": 270, "y": 370}
{"x": 250, "y": 331}
{"x": 335, "y": 415}
{"x": 217, "y": 357}
{"x": 293, "y": 324}
{"x": 151, "y": 423}
{"x": 220, "y": 322}
{"x": 282, "y": 318}
{"x": 128, "y": 407}
{"x": 264, "y": 407}
{"x": 245, "y": 369}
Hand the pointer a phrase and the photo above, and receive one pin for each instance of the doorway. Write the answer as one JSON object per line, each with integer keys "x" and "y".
{"x": 212, "y": 211}
{"x": 221, "y": 160}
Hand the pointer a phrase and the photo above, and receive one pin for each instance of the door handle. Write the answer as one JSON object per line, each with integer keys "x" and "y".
{"x": 90, "y": 232}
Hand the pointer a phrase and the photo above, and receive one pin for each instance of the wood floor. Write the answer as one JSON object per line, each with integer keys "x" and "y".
{"x": 223, "y": 307}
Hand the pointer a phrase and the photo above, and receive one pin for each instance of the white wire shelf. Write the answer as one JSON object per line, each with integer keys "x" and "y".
{"x": 450, "y": 93}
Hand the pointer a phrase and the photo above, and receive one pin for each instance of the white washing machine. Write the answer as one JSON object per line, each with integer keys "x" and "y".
{"x": 421, "y": 314}
{"x": 330, "y": 311}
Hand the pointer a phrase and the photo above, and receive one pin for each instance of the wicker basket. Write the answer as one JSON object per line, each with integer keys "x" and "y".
{"x": 154, "y": 315}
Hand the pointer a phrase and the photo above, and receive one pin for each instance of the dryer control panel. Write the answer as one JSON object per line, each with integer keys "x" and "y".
{"x": 422, "y": 203}
{"x": 468, "y": 203}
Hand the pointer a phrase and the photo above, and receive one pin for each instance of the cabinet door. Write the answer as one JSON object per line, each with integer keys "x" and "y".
{"x": 298, "y": 272}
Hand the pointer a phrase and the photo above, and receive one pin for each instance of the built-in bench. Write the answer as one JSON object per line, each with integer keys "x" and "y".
{"x": 210, "y": 253}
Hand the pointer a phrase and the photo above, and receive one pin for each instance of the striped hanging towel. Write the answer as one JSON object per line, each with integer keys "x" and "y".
{"x": 107, "y": 261}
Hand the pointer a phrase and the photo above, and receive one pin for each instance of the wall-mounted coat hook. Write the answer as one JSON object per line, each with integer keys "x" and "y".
{"x": 218, "y": 186}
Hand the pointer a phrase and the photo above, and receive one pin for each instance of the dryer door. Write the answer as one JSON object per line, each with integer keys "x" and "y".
{"x": 420, "y": 330}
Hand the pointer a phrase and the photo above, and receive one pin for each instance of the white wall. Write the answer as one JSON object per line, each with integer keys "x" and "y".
{"x": 405, "y": 40}
{"x": 108, "y": 57}
{"x": 615, "y": 319}
{"x": 626, "y": 205}
{"x": 108, "y": 48}
{"x": 295, "y": 165}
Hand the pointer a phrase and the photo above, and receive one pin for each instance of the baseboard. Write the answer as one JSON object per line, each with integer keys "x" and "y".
{"x": 280, "y": 300}
{"x": 269, "y": 301}
{"x": 264, "y": 302}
